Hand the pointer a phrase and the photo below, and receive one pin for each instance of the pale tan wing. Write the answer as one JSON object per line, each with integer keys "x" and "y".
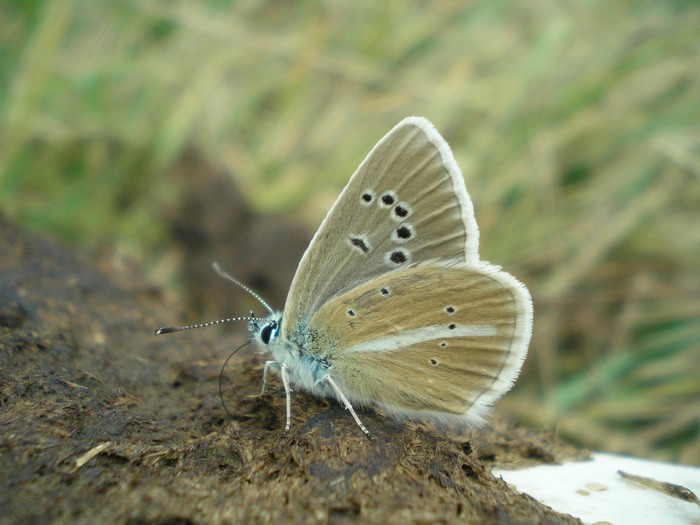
{"x": 406, "y": 203}
{"x": 438, "y": 339}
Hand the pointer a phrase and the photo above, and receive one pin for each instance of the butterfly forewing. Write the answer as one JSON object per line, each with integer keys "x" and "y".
{"x": 405, "y": 204}
{"x": 452, "y": 344}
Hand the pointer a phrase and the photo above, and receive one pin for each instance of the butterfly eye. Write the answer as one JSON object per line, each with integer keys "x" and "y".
{"x": 267, "y": 332}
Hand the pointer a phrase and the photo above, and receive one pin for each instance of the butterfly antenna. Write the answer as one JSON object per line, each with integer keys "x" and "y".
{"x": 171, "y": 329}
{"x": 223, "y": 274}
{"x": 221, "y": 377}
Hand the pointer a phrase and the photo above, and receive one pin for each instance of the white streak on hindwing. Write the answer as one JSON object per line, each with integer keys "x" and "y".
{"x": 420, "y": 335}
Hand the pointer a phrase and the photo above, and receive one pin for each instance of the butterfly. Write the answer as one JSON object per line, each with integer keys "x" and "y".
{"x": 390, "y": 305}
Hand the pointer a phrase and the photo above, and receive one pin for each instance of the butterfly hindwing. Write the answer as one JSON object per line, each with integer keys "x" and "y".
{"x": 437, "y": 338}
{"x": 405, "y": 204}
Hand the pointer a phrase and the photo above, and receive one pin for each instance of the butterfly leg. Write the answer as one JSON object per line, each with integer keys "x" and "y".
{"x": 287, "y": 391}
{"x": 347, "y": 404}
{"x": 268, "y": 365}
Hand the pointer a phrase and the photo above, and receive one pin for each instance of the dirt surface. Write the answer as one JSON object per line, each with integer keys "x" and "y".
{"x": 102, "y": 422}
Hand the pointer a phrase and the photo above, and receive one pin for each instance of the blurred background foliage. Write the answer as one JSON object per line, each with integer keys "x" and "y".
{"x": 576, "y": 124}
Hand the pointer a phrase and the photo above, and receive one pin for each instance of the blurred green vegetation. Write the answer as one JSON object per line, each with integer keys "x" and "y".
{"x": 576, "y": 124}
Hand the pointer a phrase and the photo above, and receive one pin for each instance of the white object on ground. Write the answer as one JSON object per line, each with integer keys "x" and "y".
{"x": 594, "y": 492}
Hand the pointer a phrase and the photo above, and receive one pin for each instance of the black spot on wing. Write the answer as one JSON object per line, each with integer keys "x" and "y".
{"x": 398, "y": 257}
{"x": 360, "y": 243}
